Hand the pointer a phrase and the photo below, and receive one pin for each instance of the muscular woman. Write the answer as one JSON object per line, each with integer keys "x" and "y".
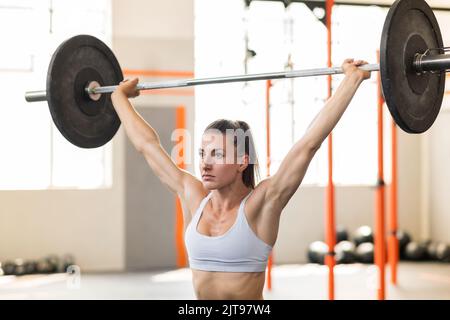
{"x": 233, "y": 219}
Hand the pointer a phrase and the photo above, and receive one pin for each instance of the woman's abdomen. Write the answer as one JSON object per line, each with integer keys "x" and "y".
{"x": 228, "y": 285}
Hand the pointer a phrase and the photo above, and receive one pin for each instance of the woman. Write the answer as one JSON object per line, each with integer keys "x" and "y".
{"x": 234, "y": 223}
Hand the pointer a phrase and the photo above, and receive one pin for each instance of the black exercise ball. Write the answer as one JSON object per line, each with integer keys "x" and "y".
{"x": 443, "y": 252}
{"x": 9, "y": 268}
{"x": 365, "y": 252}
{"x": 415, "y": 251}
{"x": 431, "y": 251}
{"x": 67, "y": 261}
{"x": 345, "y": 252}
{"x": 403, "y": 239}
{"x": 363, "y": 234}
{"x": 30, "y": 267}
{"x": 317, "y": 251}
{"x": 54, "y": 263}
{"x": 341, "y": 234}
{"x": 425, "y": 243}
{"x": 19, "y": 269}
{"x": 43, "y": 266}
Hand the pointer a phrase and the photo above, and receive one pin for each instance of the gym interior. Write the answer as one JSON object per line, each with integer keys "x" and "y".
{"x": 81, "y": 222}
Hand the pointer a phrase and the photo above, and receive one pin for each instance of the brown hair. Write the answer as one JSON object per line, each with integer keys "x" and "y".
{"x": 251, "y": 174}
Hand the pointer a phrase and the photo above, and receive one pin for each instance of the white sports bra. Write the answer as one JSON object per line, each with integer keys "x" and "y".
{"x": 237, "y": 250}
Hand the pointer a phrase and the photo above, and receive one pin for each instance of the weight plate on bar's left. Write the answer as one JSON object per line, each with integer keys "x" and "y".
{"x": 77, "y": 62}
{"x": 413, "y": 100}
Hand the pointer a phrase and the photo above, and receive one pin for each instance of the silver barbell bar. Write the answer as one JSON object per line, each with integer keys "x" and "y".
{"x": 249, "y": 77}
{"x": 35, "y": 96}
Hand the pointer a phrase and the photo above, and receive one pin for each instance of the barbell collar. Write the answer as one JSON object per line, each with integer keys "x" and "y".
{"x": 431, "y": 63}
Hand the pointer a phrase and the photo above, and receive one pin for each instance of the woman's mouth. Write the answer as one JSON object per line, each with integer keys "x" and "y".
{"x": 207, "y": 177}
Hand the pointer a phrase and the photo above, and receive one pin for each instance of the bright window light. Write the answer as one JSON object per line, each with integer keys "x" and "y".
{"x": 34, "y": 154}
{"x": 282, "y": 39}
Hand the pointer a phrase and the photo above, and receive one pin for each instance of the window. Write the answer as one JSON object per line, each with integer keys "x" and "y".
{"x": 34, "y": 154}
{"x": 289, "y": 38}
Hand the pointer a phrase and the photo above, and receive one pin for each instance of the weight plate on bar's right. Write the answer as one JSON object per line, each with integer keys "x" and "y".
{"x": 413, "y": 100}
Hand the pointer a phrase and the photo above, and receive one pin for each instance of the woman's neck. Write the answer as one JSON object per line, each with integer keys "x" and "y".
{"x": 229, "y": 197}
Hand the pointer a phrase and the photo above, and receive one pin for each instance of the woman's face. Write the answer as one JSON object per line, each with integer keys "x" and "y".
{"x": 218, "y": 160}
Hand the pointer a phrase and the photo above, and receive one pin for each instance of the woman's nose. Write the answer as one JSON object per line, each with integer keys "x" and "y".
{"x": 207, "y": 161}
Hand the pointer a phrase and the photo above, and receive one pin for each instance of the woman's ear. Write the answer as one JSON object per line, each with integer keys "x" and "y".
{"x": 244, "y": 162}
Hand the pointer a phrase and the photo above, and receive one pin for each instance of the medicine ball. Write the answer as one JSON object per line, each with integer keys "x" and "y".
{"x": 443, "y": 252}
{"x": 365, "y": 252}
{"x": 403, "y": 239}
{"x": 431, "y": 250}
{"x": 415, "y": 251}
{"x": 345, "y": 252}
{"x": 341, "y": 234}
{"x": 363, "y": 234}
{"x": 317, "y": 251}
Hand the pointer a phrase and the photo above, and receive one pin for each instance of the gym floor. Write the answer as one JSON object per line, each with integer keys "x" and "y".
{"x": 308, "y": 281}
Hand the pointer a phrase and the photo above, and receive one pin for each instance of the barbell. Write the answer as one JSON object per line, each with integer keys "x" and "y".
{"x": 413, "y": 63}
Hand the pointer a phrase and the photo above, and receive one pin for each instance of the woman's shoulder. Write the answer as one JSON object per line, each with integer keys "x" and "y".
{"x": 194, "y": 193}
{"x": 256, "y": 199}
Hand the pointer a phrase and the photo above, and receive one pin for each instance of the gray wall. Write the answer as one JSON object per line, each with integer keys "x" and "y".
{"x": 149, "y": 36}
{"x": 149, "y": 205}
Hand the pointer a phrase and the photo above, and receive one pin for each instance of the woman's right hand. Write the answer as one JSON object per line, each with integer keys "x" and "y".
{"x": 350, "y": 66}
{"x": 128, "y": 88}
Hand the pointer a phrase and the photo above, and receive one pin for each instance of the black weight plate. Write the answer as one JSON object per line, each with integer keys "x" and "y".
{"x": 413, "y": 100}
{"x": 76, "y": 62}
